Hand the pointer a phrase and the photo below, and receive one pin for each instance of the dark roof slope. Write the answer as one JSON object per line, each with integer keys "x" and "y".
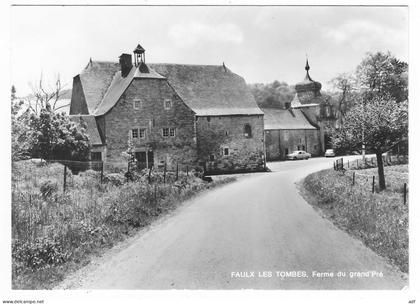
{"x": 91, "y": 127}
{"x": 96, "y": 78}
{"x": 206, "y": 89}
{"x": 275, "y": 119}
{"x": 117, "y": 87}
{"x": 209, "y": 89}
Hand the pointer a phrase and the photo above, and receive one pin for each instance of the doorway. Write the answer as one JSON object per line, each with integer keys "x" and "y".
{"x": 144, "y": 159}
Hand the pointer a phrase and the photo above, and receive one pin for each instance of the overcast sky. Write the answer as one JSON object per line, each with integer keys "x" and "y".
{"x": 261, "y": 44}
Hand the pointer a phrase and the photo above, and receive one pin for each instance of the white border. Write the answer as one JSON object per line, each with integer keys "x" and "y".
{"x": 248, "y": 296}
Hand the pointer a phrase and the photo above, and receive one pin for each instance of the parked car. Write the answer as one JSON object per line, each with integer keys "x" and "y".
{"x": 298, "y": 155}
{"x": 329, "y": 153}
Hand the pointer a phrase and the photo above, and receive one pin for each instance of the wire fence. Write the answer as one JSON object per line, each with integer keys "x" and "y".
{"x": 35, "y": 173}
{"x": 47, "y": 193}
{"x": 362, "y": 172}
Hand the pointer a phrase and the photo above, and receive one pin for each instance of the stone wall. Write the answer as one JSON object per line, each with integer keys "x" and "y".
{"x": 277, "y": 141}
{"x": 152, "y": 116}
{"x": 244, "y": 153}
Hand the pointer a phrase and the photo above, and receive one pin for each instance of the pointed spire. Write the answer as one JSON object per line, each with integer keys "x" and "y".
{"x": 307, "y": 67}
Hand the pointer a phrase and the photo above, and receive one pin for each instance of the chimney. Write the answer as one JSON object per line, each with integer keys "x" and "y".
{"x": 125, "y": 64}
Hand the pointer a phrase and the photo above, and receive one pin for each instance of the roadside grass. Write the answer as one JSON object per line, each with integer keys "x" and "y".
{"x": 380, "y": 220}
{"x": 56, "y": 232}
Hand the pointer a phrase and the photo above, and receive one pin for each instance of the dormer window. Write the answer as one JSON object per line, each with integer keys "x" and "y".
{"x": 167, "y": 104}
{"x": 137, "y": 104}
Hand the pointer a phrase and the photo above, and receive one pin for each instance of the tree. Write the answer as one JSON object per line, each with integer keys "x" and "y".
{"x": 54, "y": 136}
{"x": 129, "y": 155}
{"x": 345, "y": 86}
{"x": 381, "y": 74}
{"x": 379, "y": 124}
{"x": 19, "y": 124}
{"x": 42, "y": 97}
{"x": 272, "y": 95}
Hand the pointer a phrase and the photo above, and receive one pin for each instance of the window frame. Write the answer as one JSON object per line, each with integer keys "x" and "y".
{"x": 132, "y": 133}
{"x": 140, "y": 131}
{"x": 165, "y": 105}
{"x": 140, "y": 104}
{"x": 247, "y": 135}
{"x": 163, "y": 132}
{"x": 224, "y": 151}
{"x": 95, "y": 153}
{"x": 172, "y": 132}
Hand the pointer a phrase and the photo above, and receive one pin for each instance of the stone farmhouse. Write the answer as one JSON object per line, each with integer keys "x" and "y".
{"x": 301, "y": 125}
{"x": 171, "y": 113}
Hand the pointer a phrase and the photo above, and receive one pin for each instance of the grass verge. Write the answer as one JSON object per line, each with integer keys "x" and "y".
{"x": 56, "y": 232}
{"x": 379, "y": 220}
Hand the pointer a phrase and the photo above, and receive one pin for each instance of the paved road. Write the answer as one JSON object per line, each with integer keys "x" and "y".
{"x": 258, "y": 224}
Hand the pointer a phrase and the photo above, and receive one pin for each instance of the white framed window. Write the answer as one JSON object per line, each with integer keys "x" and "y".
{"x": 165, "y": 132}
{"x": 142, "y": 133}
{"x": 226, "y": 151}
{"x": 172, "y": 132}
{"x": 137, "y": 104}
{"x": 134, "y": 133}
{"x": 167, "y": 104}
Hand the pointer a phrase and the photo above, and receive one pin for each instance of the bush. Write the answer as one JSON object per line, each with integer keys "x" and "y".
{"x": 48, "y": 188}
{"x": 41, "y": 253}
{"x": 117, "y": 179}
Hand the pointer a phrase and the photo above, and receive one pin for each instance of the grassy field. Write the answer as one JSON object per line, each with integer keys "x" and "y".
{"x": 55, "y": 232}
{"x": 379, "y": 219}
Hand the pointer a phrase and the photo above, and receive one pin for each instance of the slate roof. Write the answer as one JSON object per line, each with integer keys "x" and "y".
{"x": 208, "y": 90}
{"x": 95, "y": 79}
{"x": 117, "y": 87}
{"x": 91, "y": 127}
{"x": 275, "y": 119}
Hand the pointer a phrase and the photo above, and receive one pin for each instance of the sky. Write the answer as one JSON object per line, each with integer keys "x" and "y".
{"x": 262, "y": 44}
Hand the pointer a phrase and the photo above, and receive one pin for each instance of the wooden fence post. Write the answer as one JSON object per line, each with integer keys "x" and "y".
{"x": 348, "y": 163}
{"x": 334, "y": 166}
{"x": 65, "y": 178}
{"x": 164, "y": 174}
{"x": 155, "y": 193}
{"x": 150, "y": 172}
{"x": 357, "y": 163}
{"x": 354, "y": 177}
{"x": 176, "y": 171}
{"x": 373, "y": 184}
{"x": 102, "y": 172}
{"x": 405, "y": 193}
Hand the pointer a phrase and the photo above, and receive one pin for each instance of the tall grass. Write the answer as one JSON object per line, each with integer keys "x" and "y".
{"x": 380, "y": 220}
{"x": 52, "y": 229}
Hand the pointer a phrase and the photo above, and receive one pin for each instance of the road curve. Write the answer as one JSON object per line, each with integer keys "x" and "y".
{"x": 234, "y": 236}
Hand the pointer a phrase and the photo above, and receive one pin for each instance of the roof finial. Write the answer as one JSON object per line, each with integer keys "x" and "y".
{"x": 307, "y": 67}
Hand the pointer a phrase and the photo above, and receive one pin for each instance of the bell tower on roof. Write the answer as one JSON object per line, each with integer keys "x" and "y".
{"x": 140, "y": 59}
{"x": 139, "y": 55}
